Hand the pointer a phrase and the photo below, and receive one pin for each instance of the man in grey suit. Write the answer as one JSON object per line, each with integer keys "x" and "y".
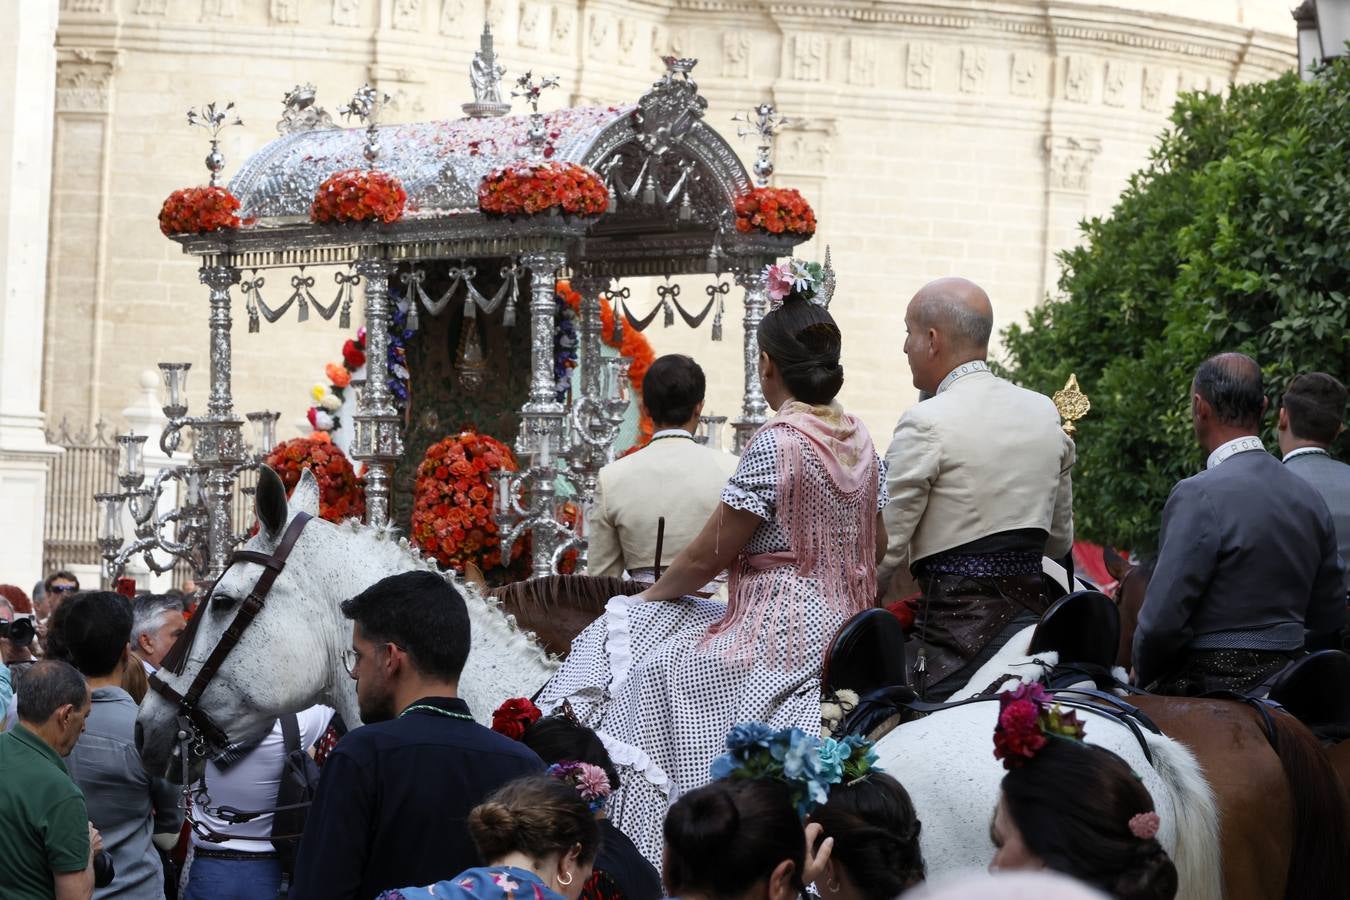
{"x": 1248, "y": 559}
{"x": 1310, "y": 419}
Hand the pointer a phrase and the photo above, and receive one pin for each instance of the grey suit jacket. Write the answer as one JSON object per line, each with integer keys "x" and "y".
{"x": 1247, "y": 559}
{"x": 1331, "y": 479}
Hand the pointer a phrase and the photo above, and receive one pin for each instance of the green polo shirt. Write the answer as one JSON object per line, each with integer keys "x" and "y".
{"x": 46, "y": 828}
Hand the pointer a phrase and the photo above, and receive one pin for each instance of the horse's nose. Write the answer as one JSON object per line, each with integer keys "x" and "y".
{"x": 140, "y": 737}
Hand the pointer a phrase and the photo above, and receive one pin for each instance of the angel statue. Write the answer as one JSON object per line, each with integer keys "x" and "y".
{"x": 484, "y": 73}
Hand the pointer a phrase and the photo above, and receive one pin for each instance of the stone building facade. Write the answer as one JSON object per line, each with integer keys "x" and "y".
{"x": 933, "y": 138}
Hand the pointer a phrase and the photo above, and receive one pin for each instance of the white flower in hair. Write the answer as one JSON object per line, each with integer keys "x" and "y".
{"x": 809, "y": 281}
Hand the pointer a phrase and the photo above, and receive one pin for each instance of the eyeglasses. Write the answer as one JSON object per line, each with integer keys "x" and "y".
{"x": 63, "y": 589}
{"x": 352, "y": 658}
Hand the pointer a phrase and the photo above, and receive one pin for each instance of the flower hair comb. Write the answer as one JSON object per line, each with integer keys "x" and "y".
{"x": 805, "y": 763}
{"x": 1027, "y": 719}
{"x": 589, "y": 781}
{"x": 1145, "y": 826}
{"x": 809, "y": 281}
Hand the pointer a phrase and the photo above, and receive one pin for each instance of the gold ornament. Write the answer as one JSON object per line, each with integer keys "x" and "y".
{"x": 1072, "y": 404}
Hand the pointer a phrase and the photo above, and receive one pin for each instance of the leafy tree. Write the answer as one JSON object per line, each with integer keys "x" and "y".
{"x": 1235, "y": 236}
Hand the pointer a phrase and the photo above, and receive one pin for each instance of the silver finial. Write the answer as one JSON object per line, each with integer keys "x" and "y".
{"x": 531, "y": 91}
{"x": 485, "y": 76}
{"x": 765, "y": 122}
{"x": 678, "y": 65}
{"x": 827, "y": 281}
{"x": 366, "y": 105}
{"x": 299, "y": 112}
{"x": 215, "y": 121}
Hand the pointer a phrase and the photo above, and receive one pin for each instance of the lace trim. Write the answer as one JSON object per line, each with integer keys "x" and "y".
{"x": 618, "y": 640}
{"x": 635, "y": 758}
{"x": 737, "y": 497}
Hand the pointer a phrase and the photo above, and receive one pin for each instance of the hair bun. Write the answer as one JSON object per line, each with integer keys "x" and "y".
{"x": 495, "y": 818}
{"x": 820, "y": 338}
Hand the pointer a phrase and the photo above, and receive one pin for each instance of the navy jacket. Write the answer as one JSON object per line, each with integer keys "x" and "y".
{"x": 1247, "y": 559}
{"x": 393, "y": 803}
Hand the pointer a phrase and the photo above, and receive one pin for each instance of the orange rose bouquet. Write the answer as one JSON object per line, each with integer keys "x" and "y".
{"x": 452, "y": 503}
{"x": 341, "y": 495}
{"x": 775, "y": 210}
{"x": 199, "y": 210}
{"x": 359, "y": 195}
{"x": 526, "y": 189}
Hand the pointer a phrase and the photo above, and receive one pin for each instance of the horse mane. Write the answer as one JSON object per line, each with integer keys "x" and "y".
{"x": 1195, "y": 812}
{"x": 586, "y": 593}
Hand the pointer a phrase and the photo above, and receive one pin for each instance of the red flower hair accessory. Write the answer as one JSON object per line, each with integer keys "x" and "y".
{"x": 1027, "y": 719}
{"x": 1145, "y": 826}
{"x": 513, "y": 717}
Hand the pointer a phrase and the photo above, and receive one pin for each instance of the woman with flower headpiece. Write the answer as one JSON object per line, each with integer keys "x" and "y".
{"x": 539, "y": 837}
{"x": 1073, "y": 807}
{"x": 799, "y": 530}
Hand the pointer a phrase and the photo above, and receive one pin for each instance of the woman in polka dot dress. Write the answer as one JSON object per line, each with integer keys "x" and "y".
{"x": 662, "y": 677}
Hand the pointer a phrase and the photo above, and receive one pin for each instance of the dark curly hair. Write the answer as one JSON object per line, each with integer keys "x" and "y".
{"x": 876, "y": 834}
{"x": 1073, "y": 804}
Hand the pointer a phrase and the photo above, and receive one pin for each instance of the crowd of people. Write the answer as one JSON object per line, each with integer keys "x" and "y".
{"x": 678, "y": 750}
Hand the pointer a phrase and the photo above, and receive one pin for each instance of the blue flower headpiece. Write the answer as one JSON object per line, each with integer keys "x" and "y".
{"x": 805, "y": 763}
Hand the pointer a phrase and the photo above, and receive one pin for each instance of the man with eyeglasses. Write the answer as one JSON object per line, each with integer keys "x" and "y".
{"x": 55, "y": 588}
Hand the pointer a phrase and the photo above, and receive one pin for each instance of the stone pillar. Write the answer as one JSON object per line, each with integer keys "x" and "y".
{"x": 27, "y": 99}
{"x": 1068, "y": 162}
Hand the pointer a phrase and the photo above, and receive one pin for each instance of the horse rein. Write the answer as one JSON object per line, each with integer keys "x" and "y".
{"x": 272, "y": 563}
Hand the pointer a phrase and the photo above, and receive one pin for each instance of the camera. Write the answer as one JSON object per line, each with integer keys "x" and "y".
{"x": 20, "y": 632}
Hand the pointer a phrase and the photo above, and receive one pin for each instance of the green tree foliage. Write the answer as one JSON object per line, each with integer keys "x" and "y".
{"x": 1235, "y": 236}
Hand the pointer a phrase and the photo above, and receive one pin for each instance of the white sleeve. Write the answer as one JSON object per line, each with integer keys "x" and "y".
{"x": 313, "y": 723}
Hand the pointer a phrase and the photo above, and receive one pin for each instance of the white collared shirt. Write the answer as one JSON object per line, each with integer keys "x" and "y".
{"x": 671, "y": 432}
{"x": 1232, "y": 448}
{"x": 1304, "y": 451}
{"x": 961, "y": 371}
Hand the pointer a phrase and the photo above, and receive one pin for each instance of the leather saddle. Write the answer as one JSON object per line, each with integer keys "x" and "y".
{"x": 1083, "y": 628}
{"x": 867, "y": 657}
{"x": 1316, "y": 691}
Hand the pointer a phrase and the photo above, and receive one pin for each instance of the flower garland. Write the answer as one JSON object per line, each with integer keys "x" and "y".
{"x": 805, "y": 763}
{"x": 359, "y": 195}
{"x": 527, "y": 189}
{"x": 1027, "y": 719}
{"x": 452, "y": 502}
{"x": 775, "y": 210}
{"x": 634, "y": 345}
{"x": 341, "y": 494}
{"x": 589, "y": 781}
{"x": 514, "y": 717}
{"x": 199, "y": 210}
{"x": 564, "y": 346}
{"x": 328, "y": 398}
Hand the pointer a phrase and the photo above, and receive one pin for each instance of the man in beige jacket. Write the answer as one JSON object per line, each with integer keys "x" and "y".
{"x": 980, "y": 490}
{"x": 673, "y": 476}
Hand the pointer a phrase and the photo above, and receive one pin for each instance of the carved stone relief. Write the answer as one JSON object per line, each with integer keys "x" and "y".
{"x": 285, "y": 12}
{"x": 1026, "y": 69}
{"x": 1113, "y": 87}
{"x": 806, "y": 149}
{"x": 1152, "y": 93}
{"x": 862, "y": 61}
{"x": 919, "y": 66}
{"x": 808, "y": 57}
{"x": 407, "y": 15}
{"x": 84, "y": 6}
{"x": 1070, "y": 162}
{"x": 564, "y": 23}
{"x": 152, "y": 7}
{"x": 598, "y": 27}
{"x": 628, "y": 32}
{"x": 1077, "y": 78}
{"x": 347, "y": 13}
{"x": 531, "y": 35}
{"x": 496, "y": 14}
{"x": 974, "y": 69}
{"x": 84, "y": 80}
{"x": 219, "y": 9}
{"x": 452, "y": 14}
{"x": 736, "y": 54}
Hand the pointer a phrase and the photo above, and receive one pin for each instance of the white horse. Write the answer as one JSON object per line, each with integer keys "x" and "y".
{"x": 291, "y": 656}
{"x": 946, "y": 763}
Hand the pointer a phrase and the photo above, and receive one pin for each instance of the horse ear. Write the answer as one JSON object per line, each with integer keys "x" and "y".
{"x": 1115, "y": 563}
{"x": 305, "y": 497}
{"x": 270, "y": 502}
{"x": 474, "y": 576}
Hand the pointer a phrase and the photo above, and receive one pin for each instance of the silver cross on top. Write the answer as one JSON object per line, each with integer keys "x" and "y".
{"x": 215, "y": 121}
{"x": 765, "y": 122}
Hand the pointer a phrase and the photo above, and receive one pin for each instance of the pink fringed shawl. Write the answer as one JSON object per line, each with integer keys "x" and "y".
{"x": 835, "y": 548}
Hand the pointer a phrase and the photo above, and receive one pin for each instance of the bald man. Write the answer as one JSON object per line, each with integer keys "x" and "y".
{"x": 980, "y": 491}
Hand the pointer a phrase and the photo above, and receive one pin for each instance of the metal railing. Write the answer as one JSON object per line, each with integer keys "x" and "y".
{"x": 88, "y": 465}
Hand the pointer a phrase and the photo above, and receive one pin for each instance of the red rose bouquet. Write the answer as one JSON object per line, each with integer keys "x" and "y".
{"x": 341, "y": 495}
{"x": 775, "y": 210}
{"x": 1027, "y": 719}
{"x": 452, "y": 502}
{"x": 514, "y": 717}
{"x": 359, "y": 195}
{"x": 199, "y": 210}
{"x": 526, "y": 188}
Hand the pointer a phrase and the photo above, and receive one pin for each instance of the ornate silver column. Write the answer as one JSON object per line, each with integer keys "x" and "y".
{"x": 219, "y": 443}
{"x": 754, "y": 408}
{"x": 377, "y": 441}
{"x": 588, "y": 458}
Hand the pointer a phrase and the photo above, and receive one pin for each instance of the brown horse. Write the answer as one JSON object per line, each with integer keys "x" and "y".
{"x": 556, "y": 608}
{"x": 1257, "y": 785}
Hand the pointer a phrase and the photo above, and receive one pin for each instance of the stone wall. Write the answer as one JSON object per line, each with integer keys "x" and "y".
{"x": 949, "y": 137}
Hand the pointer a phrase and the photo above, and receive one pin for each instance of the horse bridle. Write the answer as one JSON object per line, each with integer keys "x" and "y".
{"x": 187, "y": 703}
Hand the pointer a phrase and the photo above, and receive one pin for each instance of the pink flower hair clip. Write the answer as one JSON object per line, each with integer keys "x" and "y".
{"x": 1145, "y": 826}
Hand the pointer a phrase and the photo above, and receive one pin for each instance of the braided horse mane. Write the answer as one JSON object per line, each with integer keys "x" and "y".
{"x": 555, "y": 608}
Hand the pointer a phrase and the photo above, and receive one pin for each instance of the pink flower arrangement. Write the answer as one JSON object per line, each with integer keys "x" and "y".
{"x": 591, "y": 782}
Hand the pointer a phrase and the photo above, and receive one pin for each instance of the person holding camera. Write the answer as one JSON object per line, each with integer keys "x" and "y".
{"x": 17, "y": 631}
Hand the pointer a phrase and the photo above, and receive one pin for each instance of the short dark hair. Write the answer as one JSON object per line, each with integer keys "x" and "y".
{"x": 537, "y": 815}
{"x": 90, "y": 631}
{"x": 49, "y": 685}
{"x": 876, "y": 834}
{"x": 555, "y": 739}
{"x": 1315, "y": 402}
{"x": 673, "y": 386}
{"x": 804, "y": 343}
{"x": 60, "y": 573}
{"x": 1231, "y": 383}
{"x": 1073, "y": 804}
{"x": 723, "y": 838}
{"x": 422, "y": 613}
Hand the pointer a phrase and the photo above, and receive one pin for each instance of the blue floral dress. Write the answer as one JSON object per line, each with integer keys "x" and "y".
{"x": 485, "y": 883}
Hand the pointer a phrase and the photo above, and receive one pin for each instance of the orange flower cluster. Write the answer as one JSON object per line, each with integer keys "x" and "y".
{"x": 452, "y": 502}
{"x": 359, "y": 195}
{"x": 528, "y": 189}
{"x": 775, "y": 210}
{"x": 341, "y": 495}
{"x": 635, "y": 346}
{"x": 198, "y": 210}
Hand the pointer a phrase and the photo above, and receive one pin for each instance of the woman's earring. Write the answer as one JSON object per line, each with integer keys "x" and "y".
{"x": 832, "y": 885}
{"x": 567, "y": 882}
